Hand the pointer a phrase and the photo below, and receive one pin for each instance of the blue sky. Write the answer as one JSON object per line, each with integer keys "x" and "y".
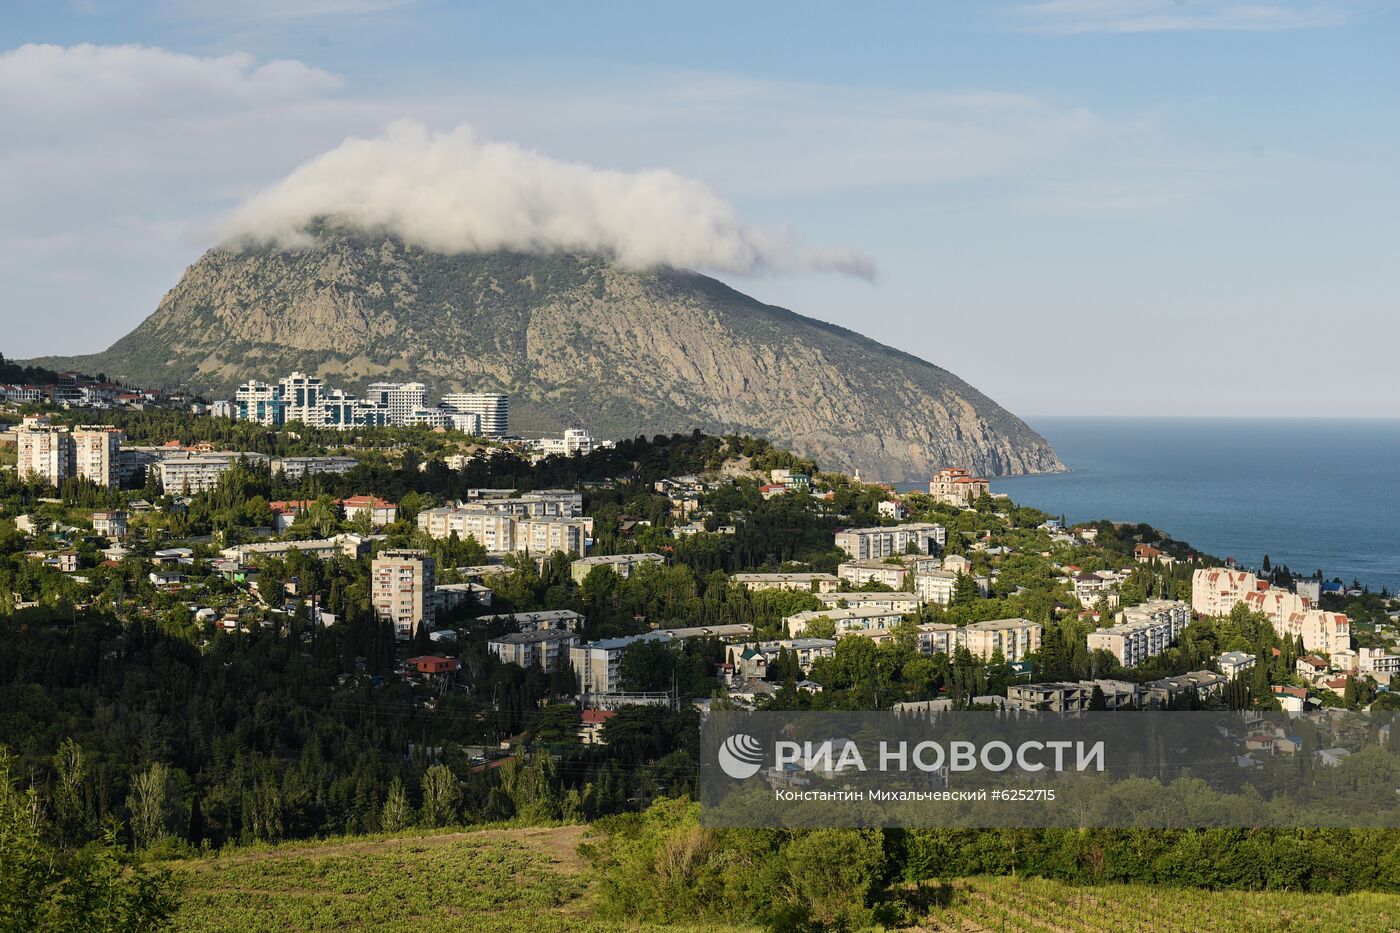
{"x": 1080, "y": 206}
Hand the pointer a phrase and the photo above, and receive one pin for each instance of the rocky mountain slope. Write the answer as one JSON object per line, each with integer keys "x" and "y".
{"x": 576, "y": 341}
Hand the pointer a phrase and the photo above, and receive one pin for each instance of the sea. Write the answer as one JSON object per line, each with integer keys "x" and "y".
{"x": 1312, "y": 494}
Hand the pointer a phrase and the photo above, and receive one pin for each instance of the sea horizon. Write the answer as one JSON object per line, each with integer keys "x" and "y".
{"x": 1311, "y": 493}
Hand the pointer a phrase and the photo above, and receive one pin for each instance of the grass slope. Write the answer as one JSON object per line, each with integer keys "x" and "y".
{"x": 499, "y": 880}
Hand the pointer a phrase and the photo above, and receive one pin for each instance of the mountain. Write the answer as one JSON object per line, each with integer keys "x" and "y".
{"x": 576, "y": 341}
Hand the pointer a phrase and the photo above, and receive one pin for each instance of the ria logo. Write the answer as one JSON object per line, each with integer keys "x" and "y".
{"x": 741, "y": 756}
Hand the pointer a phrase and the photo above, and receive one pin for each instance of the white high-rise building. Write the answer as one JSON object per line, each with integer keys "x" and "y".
{"x": 258, "y": 401}
{"x": 301, "y": 399}
{"x": 401, "y": 590}
{"x": 492, "y": 407}
{"x": 96, "y": 451}
{"x": 401, "y": 400}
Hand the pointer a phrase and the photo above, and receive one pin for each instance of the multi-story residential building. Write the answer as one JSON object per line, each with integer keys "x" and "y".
{"x": 893, "y": 509}
{"x": 620, "y": 564}
{"x": 1089, "y": 588}
{"x": 1162, "y": 693}
{"x": 750, "y": 661}
{"x": 191, "y": 473}
{"x": 1377, "y": 661}
{"x": 892, "y": 541}
{"x": 1142, "y": 631}
{"x": 1323, "y": 632}
{"x": 1065, "y": 697}
{"x": 1232, "y": 663}
{"x": 861, "y": 572}
{"x": 574, "y": 441}
{"x": 401, "y": 590}
{"x": 492, "y": 408}
{"x": 495, "y": 531}
{"x": 938, "y": 586}
{"x": 598, "y": 664}
{"x": 401, "y": 400}
{"x": 548, "y": 534}
{"x": 323, "y": 548}
{"x": 563, "y": 619}
{"x": 301, "y": 399}
{"x": 796, "y": 582}
{"x": 111, "y": 524}
{"x": 895, "y": 602}
{"x": 294, "y": 468}
{"x": 1215, "y": 590}
{"x": 513, "y": 525}
{"x": 957, "y": 487}
{"x": 847, "y": 620}
{"x": 1015, "y": 638}
{"x": 543, "y": 648}
{"x": 44, "y": 450}
{"x": 260, "y": 402}
{"x": 97, "y": 454}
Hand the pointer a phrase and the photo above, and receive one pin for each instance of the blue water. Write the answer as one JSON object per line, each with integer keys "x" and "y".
{"x": 1312, "y": 494}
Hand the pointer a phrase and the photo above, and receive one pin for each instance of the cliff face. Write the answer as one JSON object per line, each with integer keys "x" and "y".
{"x": 575, "y": 341}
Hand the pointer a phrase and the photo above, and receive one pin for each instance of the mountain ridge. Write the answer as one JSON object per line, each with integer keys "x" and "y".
{"x": 575, "y": 340}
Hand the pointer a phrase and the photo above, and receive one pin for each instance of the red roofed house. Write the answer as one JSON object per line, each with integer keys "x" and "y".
{"x": 772, "y": 489}
{"x": 381, "y": 511}
{"x": 957, "y": 487}
{"x": 591, "y": 726}
{"x": 431, "y": 664}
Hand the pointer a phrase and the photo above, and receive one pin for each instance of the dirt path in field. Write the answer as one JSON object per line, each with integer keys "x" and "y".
{"x": 558, "y": 843}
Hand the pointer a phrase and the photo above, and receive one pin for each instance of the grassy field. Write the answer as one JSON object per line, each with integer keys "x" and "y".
{"x": 500, "y": 880}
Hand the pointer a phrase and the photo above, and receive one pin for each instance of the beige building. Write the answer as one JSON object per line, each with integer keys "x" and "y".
{"x": 1015, "y": 638}
{"x": 1323, "y": 632}
{"x": 861, "y": 572}
{"x": 110, "y": 524}
{"x": 502, "y": 531}
{"x": 797, "y": 582}
{"x": 620, "y": 564}
{"x": 895, "y": 602}
{"x": 1215, "y": 590}
{"x": 401, "y": 590}
{"x": 847, "y": 620}
{"x": 958, "y": 487}
{"x": 44, "y": 451}
{"x": 97, "y": 454}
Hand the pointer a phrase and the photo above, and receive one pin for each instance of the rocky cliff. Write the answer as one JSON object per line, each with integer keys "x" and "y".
{"x": 576, "y": 341}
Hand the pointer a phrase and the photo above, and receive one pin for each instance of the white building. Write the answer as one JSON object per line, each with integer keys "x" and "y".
{"x": 1142, "y": 632}
{"x": 294, "y": 468}
{"x": 847, "y": 620}
{"x": 492, "y": 408}
{"x": 193, "y": 473}
{"x": 574, "y": 441}
{"x": 893, "y": 541}
{"x": 110, "y": 524}
{"x": 598, "y": 664}
{"x": 1232, "y": 663}
{"x": 895, "y": 602}
{"x": 562, "y": 619}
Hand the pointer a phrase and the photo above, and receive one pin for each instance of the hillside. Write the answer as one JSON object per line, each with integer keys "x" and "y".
{"x": 533, "y": 879}
{"x": 576, "y": 341}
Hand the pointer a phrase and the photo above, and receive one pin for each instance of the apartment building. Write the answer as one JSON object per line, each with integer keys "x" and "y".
{"x": 575, "y": 441}
{"x": 191, "y": 472}
{"x": 847, "y": 620}
{"x": 1163, "y": 693}
{"x": 958, "y": 488}
{"x": 861, "y": 572}
{"x": 892, "y": 541}
{"x": 598, "y": 664}
{"x": 1215, "y": 590}
{"x": 893, "y": 602}
{"x": 620, "y": 564}
{"x": 1014, "y": 638}
{"x": 44, "y": 451}
{"x": 1322, "y": 632}
{"x": 294, "y": 468}
{"x": 1142, "y": 631}
{"x": 381, "y": 512}
{"x": 492, "y": 408}
{"x": 561, "y": 619}
{"x": 401, "y": 590}
{"x": 97, "y": 454}
{"x": 795, "y": 582}
{"x": 543, "y": 648}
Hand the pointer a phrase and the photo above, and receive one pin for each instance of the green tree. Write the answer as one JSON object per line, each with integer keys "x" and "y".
{"x": 442, "y": 795}
{"x": 396, "y": 814}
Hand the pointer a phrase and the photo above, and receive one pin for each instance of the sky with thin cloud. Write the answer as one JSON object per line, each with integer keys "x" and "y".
{"x": 1140, "y": 207}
